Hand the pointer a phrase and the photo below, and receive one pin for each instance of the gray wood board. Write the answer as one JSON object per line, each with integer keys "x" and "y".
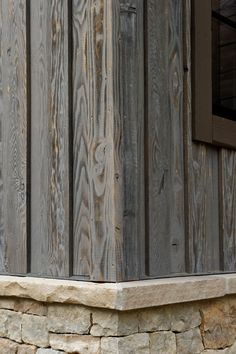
{"x": 2, "y": 240}
{"x": 228, "y": 209}
{"x": 132, "y": 116}
{"x": 13, "y": 107}
{"x": 97, "y": 225}
{"x": 49, "y": 138}
{"x": 202, "y": 187}
{"x": 165, "y": 170}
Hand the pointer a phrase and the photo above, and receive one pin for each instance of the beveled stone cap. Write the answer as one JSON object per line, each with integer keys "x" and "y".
{"x": 120, "y": 296}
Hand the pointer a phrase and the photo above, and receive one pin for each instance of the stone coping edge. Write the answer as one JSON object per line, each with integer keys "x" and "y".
{"x": 120, "y": 296}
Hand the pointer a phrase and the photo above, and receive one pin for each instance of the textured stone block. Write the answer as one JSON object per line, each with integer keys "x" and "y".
{"x": 184, "y": 317}
{"x": 69, "y": 319}
{"x": 215, "y": 351}
{"x": 112, "y": 323}
{"x": 35, "y": 330}
{"x": 162, "y": 342}
{"x": 134, "y": 344}
{"x": 81, "y": 344}
{"x": 48, "y": 351}
{"x": 189, "y": 342}
{"x": 31, "y": 307}
{"x": 232, "y": 349}
{"x": 156, "y": 319}
{"x": 218, "y": 324}
{"x": 26, "y": 349}
{"x": 10, "y": 325}
{"x": 7, "y": 303}
{"x": 7, "y": 346}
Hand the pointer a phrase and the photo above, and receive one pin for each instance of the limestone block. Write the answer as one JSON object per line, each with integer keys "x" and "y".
{"x": 7, "y": 346}
{"x": 162, "y": 343}
{"x": 7, "y": 303}
{"x": 189, "y": 342}
{"x": 34, "y": 330}
{"x": 156, "y": 319}
{"x": 232, "y": 349}
{"x": 113, "y": 323}
{"x": 82, "y": 344}
{"x": 215, "y": 351}
{"x": 232, "y": 311}
{"x": 26, "y": 349}
{"x": 10, "y": 325}
{"x": 69, "y": 319}
{"x": 62, "y": 291}
{"x": 184, "y": 317}
{"x": 218, "y": 327}
{"x": 31, "y": 307}
{"x": 134, "y": 344}
{"x": 48, "y": 351}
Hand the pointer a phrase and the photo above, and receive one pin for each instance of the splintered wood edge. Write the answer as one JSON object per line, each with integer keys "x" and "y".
{"x": 120, "y": 296}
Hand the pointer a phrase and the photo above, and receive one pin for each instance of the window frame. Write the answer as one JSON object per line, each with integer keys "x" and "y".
{"x": 207, "y": 127}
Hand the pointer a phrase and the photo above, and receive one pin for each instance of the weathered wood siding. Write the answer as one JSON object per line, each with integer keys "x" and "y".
{"x": 99, "y": 176}
{"x": 96, "y": 126}
{"x": 50, "y": 208}
{"x": 14, "y": 125}
{"x": 60, "y": 139}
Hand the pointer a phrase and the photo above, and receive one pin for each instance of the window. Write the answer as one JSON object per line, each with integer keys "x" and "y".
{"x": 214, "y": 71}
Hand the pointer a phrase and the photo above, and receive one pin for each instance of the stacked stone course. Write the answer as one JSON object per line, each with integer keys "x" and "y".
{"x": 32, "y": 327}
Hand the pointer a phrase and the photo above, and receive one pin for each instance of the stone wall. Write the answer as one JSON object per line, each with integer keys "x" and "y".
{"x": 28, "y": 326}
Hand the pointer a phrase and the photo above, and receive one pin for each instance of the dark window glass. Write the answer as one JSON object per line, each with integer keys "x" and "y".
{"x": 224, "y": 58}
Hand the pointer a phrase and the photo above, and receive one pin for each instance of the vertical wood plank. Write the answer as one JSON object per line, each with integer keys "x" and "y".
{"x": 165, "y": 135}
{"x": 201, "y": 161}
{"x": 132, "y": 115}
{"x": 50, "y": 146}
{"x": 228, "y": 209}
{"x": 97, "y": 224}
{"x": 81, "y": 213}
{"x": 14, "y": 137}
{"x": 2, "y": 240}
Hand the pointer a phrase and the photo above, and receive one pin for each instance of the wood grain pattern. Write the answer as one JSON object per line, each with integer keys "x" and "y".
{"x": 81, "y": 216}
{"x": 228, "y": 209}
{"x": 49, "y": 135}
{"x": 175, "y": 77}
{"x": 165, "y": 147}
{"x": 14, "y": 136}
{"x": 97, "y": 229}
{"x": 2, "y": 240}
{"x": 201, "y": 172}
{"x": 132, "y": 115}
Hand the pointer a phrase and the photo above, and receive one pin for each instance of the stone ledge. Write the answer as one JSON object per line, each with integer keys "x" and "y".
{"x": 120, "y": 296}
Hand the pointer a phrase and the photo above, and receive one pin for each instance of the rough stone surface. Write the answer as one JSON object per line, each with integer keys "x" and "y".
{"x": 162, "y": 342}
{"x": 218, "y": 324}
{"x": 10, "y": 325}
{"x": 134, "y": 344}
{"x": 31, "y": 307}
{"x": 34, "y": 330}
{"x": 120, "y": 296}
{"x": 157, "y": 319}
{"x": 7, "y": 347}
{"x": 83, "y": 344}
{"x": 33, "y": 327}
{"x": 213, "y": 351}
{"x": 184, "y": 317}
{"x": 232, "y": 349}
{"x": 7, "y": 303}
{"x": 111, "y": 323}
{"x": 26, "y": 349}
{"x": 189, "y": 342}
{"x": 61, "y": 291}
{"x": 49, "y": 351}
{"x": 69, "y": 319}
